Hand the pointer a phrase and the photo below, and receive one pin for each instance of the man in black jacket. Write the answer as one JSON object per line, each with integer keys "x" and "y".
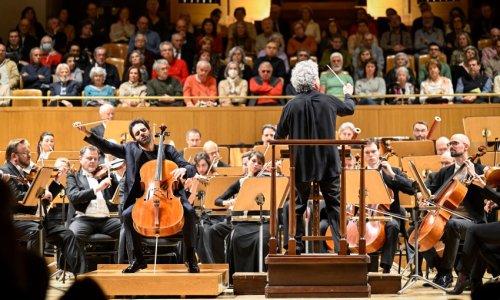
{"x": 314, "y": 163}
{"x": 136, "y": 154}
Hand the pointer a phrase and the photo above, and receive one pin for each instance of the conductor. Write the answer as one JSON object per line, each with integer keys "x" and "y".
{"x": 137, "y": 153}
{"x": 312, "y": 115}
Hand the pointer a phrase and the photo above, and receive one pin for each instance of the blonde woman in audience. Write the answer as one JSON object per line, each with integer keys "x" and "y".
{"x": 435, "y": 84}
{"x": 233, "y": 85}
{"x": 134, "y": 87}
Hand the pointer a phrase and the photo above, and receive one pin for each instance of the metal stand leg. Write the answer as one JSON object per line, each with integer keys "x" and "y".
{"x": 415, "y": 277}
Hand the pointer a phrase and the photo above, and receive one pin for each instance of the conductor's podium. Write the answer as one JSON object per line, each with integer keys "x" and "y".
{"x": 167, "y": 280}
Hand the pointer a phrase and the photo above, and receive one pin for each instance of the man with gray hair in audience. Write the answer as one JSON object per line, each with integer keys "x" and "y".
{"x": 164, "y": 86}
{"x": 319, "y": 164}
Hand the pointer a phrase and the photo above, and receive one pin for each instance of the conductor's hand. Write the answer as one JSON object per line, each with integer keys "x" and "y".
{"x": 348, "y": 89}
{"x": 104, "y": 184}
{"x": 82, "y": 128}
{"x": 178, "y": 173}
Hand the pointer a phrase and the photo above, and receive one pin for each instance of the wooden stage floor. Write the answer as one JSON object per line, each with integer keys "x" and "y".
{"x": 417, "y": 291}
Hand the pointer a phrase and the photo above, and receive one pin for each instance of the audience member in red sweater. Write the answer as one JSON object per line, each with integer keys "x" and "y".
{"x": 300, "y": 41}
{"x": 265, "y": 84}
{"x": 178, "y": 67}
{"x": 201, "y": 84}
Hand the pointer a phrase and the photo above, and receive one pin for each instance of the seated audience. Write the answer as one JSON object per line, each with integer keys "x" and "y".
{"x": 153, "y": 39}
{"x": 329, "y": 83}
{"x": 376, "y": 53}
{"x": 268, "y": 30}
{"x": 50, "y": 57}
{"x": 207, "y": 55}
{"x": 311, "y": 27}
{"x": 10, "y": 76}
{"x": 370, "y": 85}
{"x": 208, "y": 29}
{"x": 238, "y": 55}
{"x": 434, "y": 53}
{"x": 140, "y": 45}
{"x": 233, "y": 85}
{"x": 496, "y": 89}
{"x": 474, "y": 83}
{"x": 336, "y": 44}
{"x": 436, "y": 84}
{"x": 401, "y": 86}
{"x": 265, "y": 84}
{"x": 278, "y": 65}
{"x": 462, "y": 69}
{"x": 59, "y": 40}
{"x": 14, "y": 49}
{"x": 401, "y": 59}
{"x": 239, "y": 14}
{"x": 492, "y": 65}
{"x": 136, "y": 59}
{"x": 133, "y": 87}
{"x": 300, "y": 41}
{"x": 458, "y": 54}
{"x": 364, "y": 55}
{"x": 98, "y": 88}
{"x": 164, "y": 86}
{"x": 64, "y": 86}
{"x": 111, "y": 73}
{"x": 279, "y": 54}
{"x": 122, "y": 30}
{"x": 177, "y": 66}
{"x": 200, "y": 84}
{"x": 36, "y": 75}
{"x": 488, "y": 52}
{"x": 429, "y": 32}
{"x": 396, "y": 40}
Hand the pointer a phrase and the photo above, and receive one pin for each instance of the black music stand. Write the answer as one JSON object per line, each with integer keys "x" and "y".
{"x": 255, "y": 196}
{"x": 418, "y": 186}
{"x": 34, "y": 195}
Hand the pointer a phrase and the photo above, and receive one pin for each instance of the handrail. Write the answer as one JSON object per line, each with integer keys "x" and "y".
{"x": 291, "y": 219}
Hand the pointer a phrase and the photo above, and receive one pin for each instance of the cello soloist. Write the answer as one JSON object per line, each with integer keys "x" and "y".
{"x": 136, "y": 154}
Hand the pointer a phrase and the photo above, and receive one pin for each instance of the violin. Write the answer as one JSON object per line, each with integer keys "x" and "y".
{"x": 158, "y": 212}
{"x": 103, "y": 170}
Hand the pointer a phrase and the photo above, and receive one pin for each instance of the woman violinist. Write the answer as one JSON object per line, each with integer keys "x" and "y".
{"x": 455, "y": 228}
{"x": 243, "y": 244}
{"x": 136, "y": 154}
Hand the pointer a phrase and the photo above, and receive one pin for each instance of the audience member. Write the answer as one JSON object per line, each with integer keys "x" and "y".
{"x": 133, "y": 87}
{"x": 208, "y": 55}
{"x": 455, "y": 24}
{"x": 401, "y": 86}
{"x": 13, "y": 50}
{"x": 336, "y": 44}
{"x": 238, "y": 55}
{"x": 56, "y": 33}
{"x": 233, "y": 85}
{"x": 434, "y": 53}
{"x": 311, "y": 27}
{"x": 35, "y": 75}
{"x": 82, "y": 59}
{"x": 376, "y": 54}
{"x": 35, "y": 28}
{"x": 401, "y": 59}
{"x": 87, "y": 41}
{"x": 281, "y": 26}
{"x": 136, "y": 59}
{"x": 10, "y": 76}
{"x": 67, "y": 28}
{"x": 164, "y": 86}
{"x": 429, "y": 33}
{"x": 201, "y": 84}
{"x": 153, "y": 39}
{"x": 462, "y": 69}
{"x": 208, "y": 29}
{"x": 98, "y": 88}
{"x": 492, "y": 65}
{"x": 267, "y": 30}
{"x": 496, "y": 89}
{"x": 27, "y": 41}
{"x": 99, "y": 26}
{"x": 329, "y": 83}
{"x": 241, "y": 37}
{"x": 300, "y": 41}
{"x": 355, "y": 39}
{"x": 140, "y": 44}
{"x": 122, "y": 30}
{"x": 266, "y": 84}
{"x": 279, "y": 54}
{"x": 64, "y": 86}
{"x": 458, "y": 55}
{"x": 485, "y": 22}
{"x": 488, "y": 52}
{"x": 473, "y": 83}
{"x": 50, "y": 57}
{"x": 178, "y": 67}
{"x": 436, "y": 84}
{"x": 418, "y": 23}
{"x": 332, "y": 30}
{"x": 239, "y": 14}
{"x": 157, "y": 22}
{"x": 278, "y": 66}
{"x": 370, "y": 85}
{"x": 75, "y": 73}
{"x": 111, "y": 74}
{"x": 396, "y": 40}
{"x": 185, "y": 44}
{"x": 451, "y": 38}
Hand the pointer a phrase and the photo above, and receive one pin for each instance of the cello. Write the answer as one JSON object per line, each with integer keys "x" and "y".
{"x": 447, "y": 199}
{"x": 158, "y": 212}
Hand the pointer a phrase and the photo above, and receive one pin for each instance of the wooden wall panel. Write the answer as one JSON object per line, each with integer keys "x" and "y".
{"x": 228, "y": 125}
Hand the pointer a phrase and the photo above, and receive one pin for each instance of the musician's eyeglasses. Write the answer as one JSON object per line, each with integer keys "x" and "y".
{"x": 453, "y": 143}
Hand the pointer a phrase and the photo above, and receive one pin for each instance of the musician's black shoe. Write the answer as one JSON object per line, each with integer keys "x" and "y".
{"x": 135, "y": 266}
{"x": 462, "y": 283}
{"x": 445, "y": 280}
{"x": 193, "y": 266}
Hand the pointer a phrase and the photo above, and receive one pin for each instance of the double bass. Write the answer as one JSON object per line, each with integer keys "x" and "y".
{"x": 158, "y": 212}
{"x": 448, "y": 198}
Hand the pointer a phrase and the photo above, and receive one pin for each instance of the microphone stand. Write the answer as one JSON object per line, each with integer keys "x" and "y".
{"x": 415, "y": 276}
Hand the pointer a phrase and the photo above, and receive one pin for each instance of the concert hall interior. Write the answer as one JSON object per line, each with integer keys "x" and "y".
{"x": 236, "y": 149}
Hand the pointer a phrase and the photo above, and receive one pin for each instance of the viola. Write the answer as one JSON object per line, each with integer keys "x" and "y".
{"x": 448, "y": 198}
{"x": 103, "y": 170}
{"x": 158, "y": 212}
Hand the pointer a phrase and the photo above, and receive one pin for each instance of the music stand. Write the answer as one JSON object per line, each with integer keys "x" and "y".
{"x": 482, "y": 130}
{"x": 255, "y": 195}
{"x": 34, "y": 195}
{"x": 418, "y": 186}
{"x": 216, "y": 187}
{"x": 229, "y": 171}
{"x": 376, "y": 191}
{"x": 413, "y": 148}
{"x": 117, "y": 130}
{"x": 267, "y": 151}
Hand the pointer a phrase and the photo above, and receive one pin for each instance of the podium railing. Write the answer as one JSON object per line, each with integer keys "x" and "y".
{"x": 273, "y": 243}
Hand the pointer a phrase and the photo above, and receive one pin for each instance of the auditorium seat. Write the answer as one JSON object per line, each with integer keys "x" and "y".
{"x": 27, "y": 102}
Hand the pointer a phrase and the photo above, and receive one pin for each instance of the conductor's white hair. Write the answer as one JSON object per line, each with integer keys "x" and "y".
{"x": 305, "y": 76}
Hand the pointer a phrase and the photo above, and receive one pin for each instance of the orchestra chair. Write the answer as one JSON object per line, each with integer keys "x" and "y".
{"x": 293, "y": 60}
{"x": 483, "y": 43}
{"x": 116, "y": 50}
{"x": 27, "y": 102}
{"x": 389, "y": 62}
{"x": 100, "y": 247}
{"x": 119, "y": 63}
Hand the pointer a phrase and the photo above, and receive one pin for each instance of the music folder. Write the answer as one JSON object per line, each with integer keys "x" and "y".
{"x": 37, "y": 187}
